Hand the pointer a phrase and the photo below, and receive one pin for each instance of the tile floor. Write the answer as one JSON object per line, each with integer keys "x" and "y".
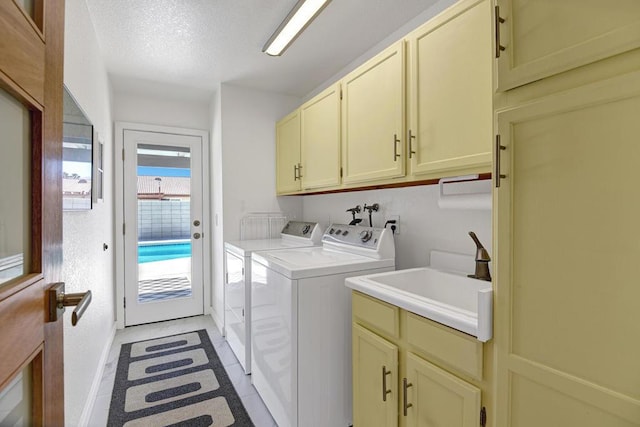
{"x": 250, "y": 398}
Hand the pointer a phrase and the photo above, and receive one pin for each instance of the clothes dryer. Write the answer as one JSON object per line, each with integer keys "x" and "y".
{"x": 237, "y": 296}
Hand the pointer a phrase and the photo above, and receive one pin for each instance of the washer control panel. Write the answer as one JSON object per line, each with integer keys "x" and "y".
{"x": 299, "y": 228}
{"x": 354, "y": 235}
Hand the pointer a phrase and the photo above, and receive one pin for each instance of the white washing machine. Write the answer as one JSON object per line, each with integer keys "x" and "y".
{"x": 237, "y": 296}
{"x": 301, "y": 324}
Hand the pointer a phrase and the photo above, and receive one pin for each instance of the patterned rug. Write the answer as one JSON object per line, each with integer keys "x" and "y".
{"x": 174, "y": 381}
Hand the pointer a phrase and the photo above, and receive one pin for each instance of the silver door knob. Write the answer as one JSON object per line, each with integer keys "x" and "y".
{"x": 196, "y": 235}
{"x": 196, "y": 223}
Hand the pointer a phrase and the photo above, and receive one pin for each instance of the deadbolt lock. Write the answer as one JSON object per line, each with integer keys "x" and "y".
{"x": 196, "y": 223}
{"x": 196, "y": 235}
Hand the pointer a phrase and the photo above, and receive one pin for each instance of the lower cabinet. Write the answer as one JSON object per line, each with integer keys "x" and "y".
{"x": 375, "y": 379}
{"x": 435, "y": 397}
{"x": 396, "y": 383}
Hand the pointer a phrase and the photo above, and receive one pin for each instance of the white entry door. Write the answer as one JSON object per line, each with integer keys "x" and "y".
{"x": 163, "y": 235}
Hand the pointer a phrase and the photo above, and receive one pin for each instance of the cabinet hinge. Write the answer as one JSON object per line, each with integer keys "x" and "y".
{"x": 341, "y": 94}
{"x": 123, "y": 154}
{"x": 226, "y": 277}
{"x": 123, "y": 228}
{"x": 340, "y": 172}
{"x": 483, "y": 417}
{"x": 243, "y": 271}
{"x": 243, "y": 312}
{"x": 125, "y": 303}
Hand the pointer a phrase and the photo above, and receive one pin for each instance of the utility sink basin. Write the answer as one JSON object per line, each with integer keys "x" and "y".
{"x": 452, "y": 299}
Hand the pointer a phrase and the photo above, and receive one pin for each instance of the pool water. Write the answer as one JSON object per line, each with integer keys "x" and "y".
{"x": 163, "y": 252}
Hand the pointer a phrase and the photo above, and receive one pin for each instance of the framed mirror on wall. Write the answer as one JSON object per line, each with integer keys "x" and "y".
{"x": 77, "y": 157}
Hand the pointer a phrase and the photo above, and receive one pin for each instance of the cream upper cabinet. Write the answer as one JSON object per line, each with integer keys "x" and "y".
{"x": 542, "y": 38}
{"x": 434, "y": 397}
{"x": 288, "y": 154}
{"x": 375, "y": 380}
{"x": 320, "y": 140}
{"x": 373, "y": 118}
{"x": 567, "y": 314}
{"x": 450, "y": 92}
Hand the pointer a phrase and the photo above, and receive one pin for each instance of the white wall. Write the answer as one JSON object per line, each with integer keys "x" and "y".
{"x": 86, "y": 265}
{"x": 244, "y": 166}
{"x": 423, "y": 226}
{"x": 160, "y": 110}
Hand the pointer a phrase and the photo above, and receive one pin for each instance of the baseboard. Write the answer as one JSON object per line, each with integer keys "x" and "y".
{"x": 95, "y": 386}
{"x": 218, "y": 321}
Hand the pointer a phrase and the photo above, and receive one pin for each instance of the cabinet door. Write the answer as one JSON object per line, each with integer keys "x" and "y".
{"x": 450, "y": 91}
{"x": 320, "y": 142}
{"x": 438, "y": 398}
{"x": 373, "y": 118}
{"x": 370, "y": 355}
{"x": 567, "y": 259}
{"x": 288, "y": 153}
{"x": 542, "y": 38}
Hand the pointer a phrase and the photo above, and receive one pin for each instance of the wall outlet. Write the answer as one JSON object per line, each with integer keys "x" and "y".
{"x": 393, "y": 226}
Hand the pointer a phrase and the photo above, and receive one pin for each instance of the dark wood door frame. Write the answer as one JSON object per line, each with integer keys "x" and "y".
{"x": 31, "y": 70}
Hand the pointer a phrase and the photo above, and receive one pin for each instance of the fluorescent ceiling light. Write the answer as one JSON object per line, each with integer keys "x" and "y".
{"x": 296, "y": 21}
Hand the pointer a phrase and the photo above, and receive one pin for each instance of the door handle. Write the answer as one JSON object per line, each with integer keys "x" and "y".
{"x": 196, "y": 236}
{"x": 405, "y": 405}
{"x": 58, "y": 300}
{"x": 196, "y": 223}
{"x": 384, "y": 383}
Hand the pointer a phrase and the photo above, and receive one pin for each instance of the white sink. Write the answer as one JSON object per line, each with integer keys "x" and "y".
{"x": 448, "y": 298}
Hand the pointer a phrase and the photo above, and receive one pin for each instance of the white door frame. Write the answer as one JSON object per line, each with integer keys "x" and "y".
{"x": 120, "y": 127}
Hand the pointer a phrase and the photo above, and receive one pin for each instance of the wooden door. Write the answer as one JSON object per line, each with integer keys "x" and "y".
{"x": 288, "y": 154}
{"x": 31, "y": 65}
{"x": 372, "y": 354}
{"x": 438, "y": 398}
{"x": 320, "y": 140}
{"x": 543, "y": 38}
{"x": 373, "y": 118}
{"x": 450, "y": 92}
{"x": 567, "y": 318}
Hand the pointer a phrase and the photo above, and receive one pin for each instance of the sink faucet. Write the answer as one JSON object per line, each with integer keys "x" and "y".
{"x": 482, "y": 260}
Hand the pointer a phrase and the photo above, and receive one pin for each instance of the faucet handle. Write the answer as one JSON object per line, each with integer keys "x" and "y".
{"x": 481, "y": 252}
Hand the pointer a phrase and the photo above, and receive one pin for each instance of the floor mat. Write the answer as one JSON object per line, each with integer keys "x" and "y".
{"x": 174, "y": 381}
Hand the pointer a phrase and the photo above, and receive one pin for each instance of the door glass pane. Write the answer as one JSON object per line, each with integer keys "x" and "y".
{"x": 15, "y": 401}
{"x": 164, "y": 215}
{"x": 28, "y": 6}
{"x": 15, "y": 187}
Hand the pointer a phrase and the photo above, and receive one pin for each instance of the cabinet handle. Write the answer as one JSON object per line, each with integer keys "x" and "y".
{"x": 498, "y": 175}
{"x": 299, "y": 170}
{"x": 384, "y": 383}
{"x": 395, "y": 147}
{"x": 405, "y": 405}
{"x": 498, "y": 21}
{"x": 295, "y": 172}
{"x": 411, "y": 138}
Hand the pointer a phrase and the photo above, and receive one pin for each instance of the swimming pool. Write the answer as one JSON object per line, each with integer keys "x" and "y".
{"x": 163, "y": 251}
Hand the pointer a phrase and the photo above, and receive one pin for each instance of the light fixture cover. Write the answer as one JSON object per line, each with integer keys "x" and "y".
{"x": 296, "y": 21}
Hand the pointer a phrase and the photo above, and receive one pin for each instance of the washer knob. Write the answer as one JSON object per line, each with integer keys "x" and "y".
{"x": 366, "y": 235}
{"x": 306, "y": 229}
{"x": 333, "y": 230}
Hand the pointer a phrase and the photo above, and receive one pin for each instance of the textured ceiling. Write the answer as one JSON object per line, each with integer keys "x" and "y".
{"x": 196, "y": 44}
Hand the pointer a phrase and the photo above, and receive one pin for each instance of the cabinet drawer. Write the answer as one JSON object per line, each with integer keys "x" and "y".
{"x": 453, "y": 348}
{"x": 377, "y": 314}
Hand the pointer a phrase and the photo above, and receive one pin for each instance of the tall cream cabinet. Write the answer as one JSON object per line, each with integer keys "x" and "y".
{"x": 568, "y": 232}
{"x": 536, "y": 39}
{"x": 320, "y": 140}
{"x": 450, "y": 92}
{"x": 373, "y": 118}
{"x": 288, "y": 154}
{"x": 409, "y": 371}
